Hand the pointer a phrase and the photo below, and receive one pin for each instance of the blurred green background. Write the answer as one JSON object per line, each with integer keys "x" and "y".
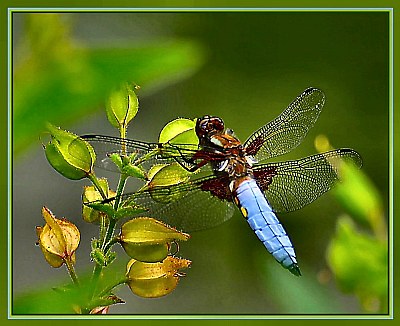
{"x": 245, "y": 67}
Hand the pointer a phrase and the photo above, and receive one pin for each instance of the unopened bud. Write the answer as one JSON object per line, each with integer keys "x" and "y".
{"x": 68, "y": 154}
{"x": 122, "y": 106}
{"x": 153, "y": 280}
{"x": 148, "y": 240}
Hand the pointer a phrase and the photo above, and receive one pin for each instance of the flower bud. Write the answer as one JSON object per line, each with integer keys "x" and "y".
{"x": 153, "y": 280}
{"x": 90, "y": 195}
{"x": 179, "y": 131}
{"x": 58, "y": 239}
{"x": 122, "y": 106}
{"x": 148, "y": 240}
{"x": 68, "y": 154}
{"x": 162, "y": 175}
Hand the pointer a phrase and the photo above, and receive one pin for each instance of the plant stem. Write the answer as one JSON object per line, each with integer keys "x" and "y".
{"x": 110, "y": 243}
{"x": 120, "y": 190}
{"x": 112, "y": 286}
{"x": 122, "y": 132}
{"x": 92, "y": 177}
{"x": 71, "y": 270}
{"x": 95, "y": 278}
{"x": 111, "y": 225}
{"x": 109, "y": 234}
{"x": 107, "y": 242}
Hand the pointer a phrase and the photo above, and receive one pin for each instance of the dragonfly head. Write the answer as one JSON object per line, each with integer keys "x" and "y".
{"x": 208, "y": 126}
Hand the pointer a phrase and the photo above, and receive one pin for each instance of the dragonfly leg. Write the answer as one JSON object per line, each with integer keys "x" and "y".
{"x": 194, "y": 166}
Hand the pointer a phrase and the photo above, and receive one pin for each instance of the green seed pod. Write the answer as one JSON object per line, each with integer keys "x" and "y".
{"x": 91, "y": 195}
{"x": 148, "y": 240}
{"x": 179, "y": 131}
{"x": 68, "y": 154}
{"x": 153, "y": 280}
{"x": 122, "y": 106}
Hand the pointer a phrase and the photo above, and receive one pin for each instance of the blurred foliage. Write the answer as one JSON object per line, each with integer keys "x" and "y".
{"x": 359, "y": 263}
{"x": 59, "y": 80}
{"x": 65, "y": 299}
{"x": 316, "y": 297}
{"x": 359, "y": 260}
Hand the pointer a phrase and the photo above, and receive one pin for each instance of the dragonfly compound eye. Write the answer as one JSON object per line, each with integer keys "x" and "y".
{"x": 208, "y": 126}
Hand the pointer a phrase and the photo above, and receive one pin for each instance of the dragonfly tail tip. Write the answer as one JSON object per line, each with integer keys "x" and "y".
{"x": 295, "y": 270}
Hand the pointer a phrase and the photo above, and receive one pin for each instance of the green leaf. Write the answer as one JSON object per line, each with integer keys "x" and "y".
{"x": 134, "y": 171}
{"x": 100, "y": 207}
{"x": 67, "y": 299}
{"x": 117, "y": 160}
{"x": 129, "y": 211}
{"x": 360, "y": 263}
{"x": 360, "y": 197}
{"x": 57, "y": 299}
{"x": 166, "y": 174}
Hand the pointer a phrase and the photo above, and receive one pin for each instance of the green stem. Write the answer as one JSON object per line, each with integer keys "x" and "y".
{"x": 105, "y": 238}
{"x": 110, "y": 243}
{"x": 109, "y": 234}
{"x": 120, "y": 190}
{"x": 108, "y": 289}
{"x": 92, "y": 177}
{"x": 71, "y": 270}
{"x": 104, "y": 222}
{"x": 122, "y": 133}
{"x": 111, "y": 225}
{"x": 95, "y": 278}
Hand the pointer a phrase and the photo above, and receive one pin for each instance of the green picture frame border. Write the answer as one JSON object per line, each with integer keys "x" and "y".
{"x": 8, "y": 7}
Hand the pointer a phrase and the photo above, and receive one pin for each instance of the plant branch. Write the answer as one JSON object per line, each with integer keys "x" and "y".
{"x": 71, "y": 270}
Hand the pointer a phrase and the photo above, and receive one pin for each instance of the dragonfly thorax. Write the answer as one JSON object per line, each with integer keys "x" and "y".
{"x": 233, "y": 160}
{"x": 235, "y": 167}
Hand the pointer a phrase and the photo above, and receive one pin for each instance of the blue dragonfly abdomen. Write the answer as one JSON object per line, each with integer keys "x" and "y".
{"x": 256, "y": 209}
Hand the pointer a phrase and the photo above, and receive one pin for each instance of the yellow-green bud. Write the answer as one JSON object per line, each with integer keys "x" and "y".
{"x": 163, "y": 175}
{"x": 148, "y": 240}
{"x": 179, "y": 131}
{"x": 91, "y": 194}
{"x": 68, "y": 154}
{"x": 153, "y": 280}
{"x": 122, "y": 106}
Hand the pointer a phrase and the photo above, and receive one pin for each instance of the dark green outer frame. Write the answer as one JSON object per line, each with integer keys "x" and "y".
{"x": 391, "y": 7}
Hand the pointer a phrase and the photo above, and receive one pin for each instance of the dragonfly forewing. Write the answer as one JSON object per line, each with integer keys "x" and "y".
{"x": 138, "y": 151}
{"x": 288, "y": 130}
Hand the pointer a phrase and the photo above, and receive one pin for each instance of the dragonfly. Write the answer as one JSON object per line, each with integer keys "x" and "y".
{"x": 224, "y": 173}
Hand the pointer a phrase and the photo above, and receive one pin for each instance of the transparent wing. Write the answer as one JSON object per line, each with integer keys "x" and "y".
{"x": 188, "y": 206}
{"x": 291, "y": 185}
{"x": 151, "y": 153}
{"x": 288, "y": 130}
